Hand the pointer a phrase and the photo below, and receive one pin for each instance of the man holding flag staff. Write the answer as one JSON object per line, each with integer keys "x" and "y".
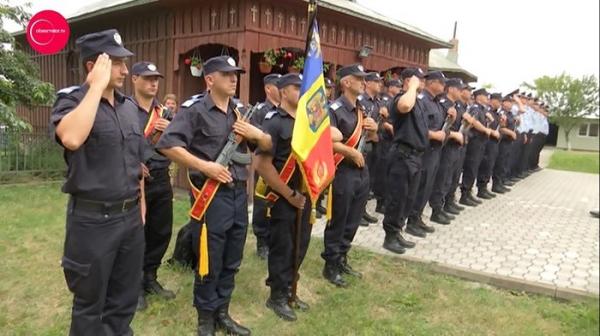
{"x": 195, "y": 139}
{"x": 279, "y": 169}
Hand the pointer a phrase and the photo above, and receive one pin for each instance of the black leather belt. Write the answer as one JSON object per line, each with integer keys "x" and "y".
{"x": 107, "y": 208}
{"x": 161, "y": 173}
{"x": 408, "y": 150}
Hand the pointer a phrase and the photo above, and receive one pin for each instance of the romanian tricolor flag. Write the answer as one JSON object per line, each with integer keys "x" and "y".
{"x": 311, "y": 139}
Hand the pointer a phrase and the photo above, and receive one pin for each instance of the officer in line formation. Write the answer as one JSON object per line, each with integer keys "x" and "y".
{"x": 422, "y": 133}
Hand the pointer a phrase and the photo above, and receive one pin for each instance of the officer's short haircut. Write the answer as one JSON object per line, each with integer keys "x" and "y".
{"x": 91, "y": 58}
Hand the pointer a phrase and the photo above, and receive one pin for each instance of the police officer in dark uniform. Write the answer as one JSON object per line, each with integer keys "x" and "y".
{"x": 99, "y": 130}
{"x": 435, "y": 115}
{"x": 507, "y": 130}
{"x": 279, "y": 124}
{"x": 260, "y": 222}
{"x": 351, "y": 182}
{"x": 154, "y": 118}
{"x": 194, "y": 139}
{"x": 486, "y": 168}
{"x": 476, "y": 146}
{"x": 372, "y": 104}
{"x": 386, "y": 135}
{"x": 450, "y": 153}
{"x": 450, "y": 205}
{"x": 407, "y": 114}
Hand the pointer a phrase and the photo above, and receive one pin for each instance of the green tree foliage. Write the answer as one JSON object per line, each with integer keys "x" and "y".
{"x": 20, "y": 82}
{"x": 569, "y": 99}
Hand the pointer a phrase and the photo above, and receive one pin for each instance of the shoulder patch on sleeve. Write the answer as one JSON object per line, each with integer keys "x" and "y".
{"x": 191, "y": 101}
{"x": 68, "y": 90}
{"x": 336, "y": 105}
{"x": 270, "y": 114}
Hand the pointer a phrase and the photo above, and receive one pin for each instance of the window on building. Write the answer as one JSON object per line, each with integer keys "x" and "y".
{"x": 589, "y": 130}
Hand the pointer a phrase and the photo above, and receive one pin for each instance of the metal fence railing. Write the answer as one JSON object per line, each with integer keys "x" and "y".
{"x": 25, "y": 155}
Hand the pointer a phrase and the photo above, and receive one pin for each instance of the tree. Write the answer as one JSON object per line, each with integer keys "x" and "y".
{"x": 20, "y": 82}
{"x": 569, "y": 99}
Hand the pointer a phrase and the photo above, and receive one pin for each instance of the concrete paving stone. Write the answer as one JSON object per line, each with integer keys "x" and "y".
{"x": 519, "y": 271}
{"x": 535, "y": 269}
{"x": 548, "y": 276}
{"x": 579, "y": 283}
{"x": 540, "y": 239}
{"x": 551, "y": 268}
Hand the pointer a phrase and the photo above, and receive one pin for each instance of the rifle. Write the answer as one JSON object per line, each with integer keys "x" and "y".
{"x": 229, "y": 151}
{"x": 464, "y": 129}
{"x": 363, "y": 137}
{"x": 446, "y": 129}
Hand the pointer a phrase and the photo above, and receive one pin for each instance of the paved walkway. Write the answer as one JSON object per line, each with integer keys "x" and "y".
{"x": 540, "y": 233}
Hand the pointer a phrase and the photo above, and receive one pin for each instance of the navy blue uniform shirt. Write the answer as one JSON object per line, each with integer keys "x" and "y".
{"x": 410, "y": 129}
{"x": 107, "y": 166}
{"x": 202, "y": 128}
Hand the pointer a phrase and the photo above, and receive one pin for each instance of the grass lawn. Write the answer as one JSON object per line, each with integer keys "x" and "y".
{"x": 394, "y": 298}
{"x": 584, "y": 162}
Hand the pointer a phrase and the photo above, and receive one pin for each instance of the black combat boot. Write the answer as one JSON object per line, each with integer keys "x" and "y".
{"x": 227, "y": 324}
{"x": 438, "y": 217}
{"x": 278, "y": 303}
{"x": 347, "y": 269}
{"x": 332, "y": 273}
{"x": 466, "y": 199}
{"x": 206, "y": 323}
{"x": 152, "y": 286}
{"x": 392, "y": 244}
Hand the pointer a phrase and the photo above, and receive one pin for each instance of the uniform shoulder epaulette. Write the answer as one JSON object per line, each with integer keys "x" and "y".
{"x": 260, "y": 106}
{"x": 191, "y": 101}
{"x": 420, "y": 96}
{"x": 336, "y": 105}
{"x": 270, "y": 114}
{"x": 68, "y": 90}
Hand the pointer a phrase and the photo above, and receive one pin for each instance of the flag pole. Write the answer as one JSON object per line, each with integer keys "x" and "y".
{"x": 312, "y": 12}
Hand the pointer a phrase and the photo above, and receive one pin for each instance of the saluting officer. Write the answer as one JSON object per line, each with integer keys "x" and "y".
{"x": 154, "y": 118}
{"x": 98, "y": 128}
{"x": 435, "y": 116}
{"x": 351, "y": 182}
{"x": 194, "y": 139}
{"x": 410, "y": 142}
{"x": 286, "y": 188}
{"x": 260, "y": 220}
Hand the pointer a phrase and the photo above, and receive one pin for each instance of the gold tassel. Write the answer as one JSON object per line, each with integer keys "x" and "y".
{"x": 203, "y": 252}
{"x": 329, "y": 213}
